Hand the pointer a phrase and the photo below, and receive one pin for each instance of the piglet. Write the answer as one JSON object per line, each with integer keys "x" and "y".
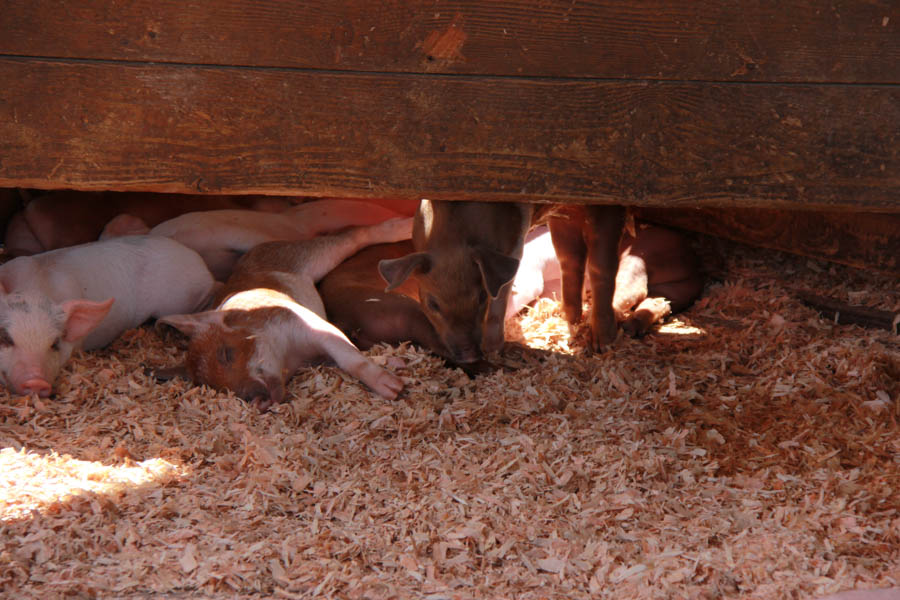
{"x": 658, "y": 274}
{"x": 270, "y": 320}
{"x": 539, "y": 273}
{"x": 586, "y": 240}
{"x": 84, "y": 297}
{"x": 222, "y": 236}
{"x": 356, "y": 302}
{"x": 67, "y": 218}
{"x": 466, "y": 256}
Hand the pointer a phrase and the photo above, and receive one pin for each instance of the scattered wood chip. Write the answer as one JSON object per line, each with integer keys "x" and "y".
{"x": 749, "y": 448}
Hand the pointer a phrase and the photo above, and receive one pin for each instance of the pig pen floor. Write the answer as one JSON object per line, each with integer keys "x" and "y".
{"x": 748, "y": 449}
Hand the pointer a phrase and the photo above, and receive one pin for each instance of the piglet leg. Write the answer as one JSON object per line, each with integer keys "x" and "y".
{"x": 648, "y": 312}
{"x": 568, "y": 242}
{"x": 332, "y": 342}
{"x": 327, "y": 252}
{"x": 494, "y": 322}
{"x": 631, "y": 284}
{"x": 604, "y": 229}
{"x": 661, "y": 301}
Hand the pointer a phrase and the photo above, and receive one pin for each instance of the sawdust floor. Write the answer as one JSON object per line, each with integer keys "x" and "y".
{"x": 749, "y": 449}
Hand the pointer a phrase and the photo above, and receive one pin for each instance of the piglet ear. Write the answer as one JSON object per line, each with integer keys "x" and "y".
{"x": 496, "y": 269}
{"x": 192, "y": 324}
{"x": 83, "y": 316}
{"x": 396, "y": 270}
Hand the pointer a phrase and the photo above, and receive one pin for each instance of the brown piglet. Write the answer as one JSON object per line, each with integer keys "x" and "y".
{"x": 466, "y": 255}
{"x": 586, "y": 240}
{"x": 357, "y": 303}
{"x": 270, "y": 320}
{"x": 653, "y": 271}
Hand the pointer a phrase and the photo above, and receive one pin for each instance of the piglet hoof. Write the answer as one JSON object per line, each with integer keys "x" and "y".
{"x": 385, "y": 384}
{"x": 494, "y": 339}
{"x": 633, "y": 327}
{"x": 639, "y": 323}
{"x": 603, "y": 333}
{"x": 262, "y": 403}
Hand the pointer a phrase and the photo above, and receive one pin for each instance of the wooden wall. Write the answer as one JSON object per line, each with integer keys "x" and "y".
{"x": 758, "y": 103}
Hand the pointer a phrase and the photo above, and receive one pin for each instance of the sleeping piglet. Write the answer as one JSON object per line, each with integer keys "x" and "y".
{"x": 67, "y": 217}
{"x": 658, "y": 275}
{"x": 356, "y": 302}
{"x": 466, "y": 256}
{"x": 222, "y": 236}
{"x": 270, "y": 320}
{"x": 84, "y": 297}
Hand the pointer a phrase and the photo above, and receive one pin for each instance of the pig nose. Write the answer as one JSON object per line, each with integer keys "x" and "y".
{"x": 38, "y": 386}
{"x": 467, "y": 354}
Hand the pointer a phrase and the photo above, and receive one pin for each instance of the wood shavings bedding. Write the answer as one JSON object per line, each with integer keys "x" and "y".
{"x": 746, "y": 449}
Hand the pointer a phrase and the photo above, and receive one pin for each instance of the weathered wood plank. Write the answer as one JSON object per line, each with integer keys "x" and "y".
{"x": 864, "y": 240}
{"x": 853, "y": 41}
{"x": 237, "y": 130}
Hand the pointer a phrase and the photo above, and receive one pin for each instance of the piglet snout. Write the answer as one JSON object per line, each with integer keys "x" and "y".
{"x": 465, "y": 353}
{"x": 263, "y": 394}
{"x": 36, "y": 385}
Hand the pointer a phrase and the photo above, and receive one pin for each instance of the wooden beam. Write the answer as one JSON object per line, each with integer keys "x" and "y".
{"x": 98, "y": 125}
{"x": 852, "y": 41}
{"x": 868, "y": 241}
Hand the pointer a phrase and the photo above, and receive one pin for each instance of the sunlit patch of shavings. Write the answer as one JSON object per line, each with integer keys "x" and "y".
{"x": 42, "y": 481}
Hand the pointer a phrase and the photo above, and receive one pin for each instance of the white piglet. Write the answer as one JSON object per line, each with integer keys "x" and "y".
{"x": 221, "y": 237}
{"x": 85, "y": 296}
{"x": 538, "y": 275}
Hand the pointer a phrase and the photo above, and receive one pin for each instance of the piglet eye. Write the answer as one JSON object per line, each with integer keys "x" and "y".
{"x": 55, "y": 345}
{"x": 432, "y": 304}
{"x": 5, "y": 338}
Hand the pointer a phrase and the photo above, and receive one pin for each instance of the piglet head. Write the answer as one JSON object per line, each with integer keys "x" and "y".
{"x": 225, "y": 352}
{"x": 38, "y": 335}
{"x": 456, "y": 286}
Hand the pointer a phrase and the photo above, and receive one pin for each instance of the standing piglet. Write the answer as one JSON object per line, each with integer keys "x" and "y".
{"x": 466, "y": 256}
{"x": 84, "y": 296}
{"x": 658, "y": 274}
{"x": 586, "y": 239}
{"x": 270, "y": 320}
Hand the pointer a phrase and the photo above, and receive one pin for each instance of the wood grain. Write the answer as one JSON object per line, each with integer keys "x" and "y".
{"x": 751, "y": 40}
{"x": 868, "y": 241}
{"x": 175, "y": 128}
